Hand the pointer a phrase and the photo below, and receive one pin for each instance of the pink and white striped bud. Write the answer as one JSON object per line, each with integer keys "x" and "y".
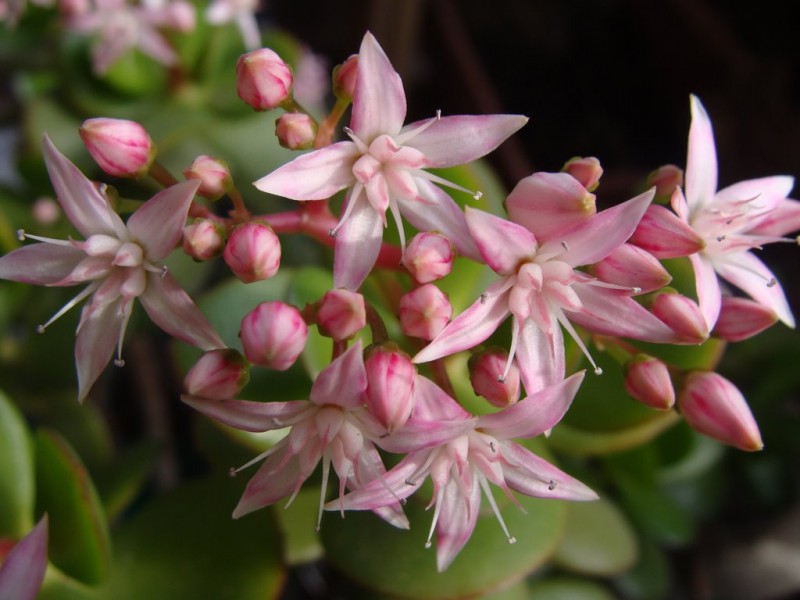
{"x": 217, "y": 375}
{"x": 742, "y": 318}
{"x": 203, "y": 239}
{"x": 253, "y": 252}
{"x": 273, "y": 335}
{"x": 714, "y": 406}
{"x": 344, "y": 78}
{"x": 630, "y": 266}
{"x": 295, "y": 131}
{"x": 390, "y": 385}
{"x": 682, "y": 315}
{"x": 664, "y": 235}
{"x": 121, "y": 148}
{"x": 586, "y": 169}
{"x": 489, "y": 379}
{"x": 647, "y": 380}
{"x": 341, "y": 314}
{"x": 424, "y": 312}
{"x": 665, "y": 179}
{"x": 213, "y": 174}
{"x": 428, "y": 257}
{"x": 263, "y": 79}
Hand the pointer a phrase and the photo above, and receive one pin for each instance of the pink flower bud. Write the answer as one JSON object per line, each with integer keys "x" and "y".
{"x": 215, "y": 178}
{"x": 46, "y": 211}
{"x": 344, "y": 78}
{"x": 180, "y": 16}
{"x": 217, "y": 375}
{"x": 742, "y": 318}
{"x": 586, "y": 170}
{"x": 121, "y": 148}
{"x": 203, "y": 239}
{"x": 424, "y": 312}
{"x": 682, "y": 315}
{"x": 664, "y": 235}
{"x": 713, "y": 406}
{"x": 263, "y": 79}
{"x": 273, "y": 335}
{"x": 295, "y": 131}
{"x": 630, "y": 266}
{"x": 428, "y": 257}
{"x": 665, "y": 179}
{"x": 486, "y": 373}
{"x": 253, "y": 252}
{"x": 647, "y": 380}
{"x": 390, "y": 386}
{"x": 341, "y": 314}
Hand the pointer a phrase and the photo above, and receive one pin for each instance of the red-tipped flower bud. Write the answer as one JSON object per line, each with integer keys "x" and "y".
{"x": 489, "y": 379}
{"x": 253, "y": 252}
{"x": 203, "y": 239}
{"x": 713, "y": 406}
{"x": 122, "y": 148}
{"x": 344, "y": 78}
{"x": 273, "y": 335}
{"x": 665, "y": 179}
{"x": 664, "y": 235}
{"x": 742, "y": 318}
{"x": 586, "y": 170}
{"x": 213, "y": 174}
{"x": 263, "y": 79}
{"x": 428, "y": 257}
{"x": 682, "y": 315}
{"x": 390, "y": 386}
{"x": 630, "y": 266}
{"x": 647, "y": 380}
{"x": 217, "y": 375}
{"x": 424, "y": 312}
{"x": 295, "y": 131}
{"x": 341, "y": 314}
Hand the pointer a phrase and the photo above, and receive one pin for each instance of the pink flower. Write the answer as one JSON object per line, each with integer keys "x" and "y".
{"x": 543, "y": 290}
{"x": 383, "y": 165}
{"x": 465, "y": 464}
{"x": 119, "y": 263}
{"x": 732, "y": 222}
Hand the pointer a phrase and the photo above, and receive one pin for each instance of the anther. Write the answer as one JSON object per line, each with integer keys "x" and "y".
{"x": 409, "y": 482}
{"x": 598, "y": 371}
{"x": 332, "y": 233}
{"x": 232, "y": 472}
{"x": 492, "y": 446}
{"x": 477, "y": 195}
{"x": 21, "y": 235}
{"x": 565, "y": 246}
{"x": 772, "y": 282}
{"x": 428, "y": 543}
{"x": 721, "y": 238}
{"x": 552, "y": 485}
{"x": 636, "y": 290}
{"x": 164, "y": 271}
{"x": 512, "y": 540}
{"x": 501, "y": 379}
{"x": 40, "y": 328}
{"x": 483, "y": 298}
{"x": 119, "y": 362}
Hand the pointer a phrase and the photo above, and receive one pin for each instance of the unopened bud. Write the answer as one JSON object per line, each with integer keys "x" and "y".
{"x": 295, "y": 131}
{"x": 263, "y": 79}
{"x": 213, "y": 174}
{"x": 742, "y": 318}
{"x": 428, "y": 257}
{"x": 344, "y": 78}
{"x": 630, "y": 266}
{"x": 682, "y": 315}
{"x": 253, "y": 252}
{"x": 647, "y": 380}
{"x": 121, "y": 148}
{"x": 665, "y": 179}
{"x": 487, "y": 374}
{"x": 424, "y": 312}
{"x": 341, "y": 314}
{"x": 46, "y": 211}
{"x": 586, "y": 170}
{"x": 664, "y": 235}
{"x": 713, "y": 406}
{"x": 217, "y": 375}
{"x": 203, "y": 239}
{"x": 273, "y": 335}
{"x": 390, "y": 386}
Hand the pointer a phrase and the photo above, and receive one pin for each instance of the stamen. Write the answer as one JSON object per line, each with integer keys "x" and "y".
{"x": 351, "y": 201}
{"x": 40, "y": 329}
{"x": 565, "y": 246}
{"x": 87, "y": 291}
{"x": 326, "y": 470}
{"x": 486, "y": 490}
{"x": 552, "y": 485}
{"x": 395, "y": 210}
{"x": 492, "y": 447}
{"x": 22, "y": 236}
{"x": 362, "y": 147}
{"x": 118, "y": 362}
{"x": 232, "y": 472}
{"x": 401, "y": 139}
{"x": 571, "y": 330}
{"x": 483, "y": 298}
{"x": 721, "y": 238}
{"x": 501, "y": 379}
{"x": 772, "y": 282}
{"x": 442, "y": 181}
{"x": 436, "y": 510}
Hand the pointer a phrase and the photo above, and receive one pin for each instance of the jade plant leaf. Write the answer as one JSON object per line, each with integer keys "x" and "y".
{"x": 16, "y": 472}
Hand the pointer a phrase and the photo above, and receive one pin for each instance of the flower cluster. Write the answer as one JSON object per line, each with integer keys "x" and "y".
{"x": 563, "y": 274}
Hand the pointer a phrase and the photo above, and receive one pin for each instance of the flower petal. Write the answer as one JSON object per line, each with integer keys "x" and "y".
{"x": 171, "y": 308}
{"x": 379, "y": 100}
{"x": 248, "y": 415}
{"x": 84, "y": 206}
{"x": 343, "y": 382}
{"x": 768, "y": 192}
{"x": 709, "y": 295}
{"x": 533, "y": 476}
{"x": 98, "y": 334}
{"x": 358, "y": 243}
{"x": 540, "y": 357}
{"x": 457, "y": 519}
{"x": 701, "y": 159}
{"x": 457, "y": 140}
{"x": 279, "y": 476}
{"x": 504, "y": 245}
{"x": 40, "y": 264}
{"x": 314, "y": 176}
{"x": 158, "y": 223}
{"x": 784, "y": 219}
{"x": 22, "y": 571}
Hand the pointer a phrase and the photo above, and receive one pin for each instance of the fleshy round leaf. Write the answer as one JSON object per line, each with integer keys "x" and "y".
{"x": 563, "y": 588}
{"x": 16, "y": 472}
